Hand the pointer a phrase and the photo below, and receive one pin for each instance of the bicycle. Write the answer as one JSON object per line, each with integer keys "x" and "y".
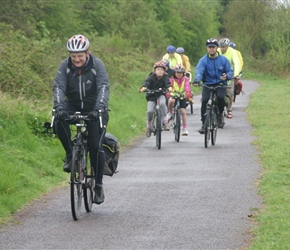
{"x": 82, "y": 178}
{"x": 157, "y": 118}
{"x": 211, "y": 120}
{"x": 176, "y": 120}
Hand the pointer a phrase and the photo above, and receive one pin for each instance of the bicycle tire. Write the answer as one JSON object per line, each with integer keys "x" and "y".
{"x": 207, "y": 128}
{"x": 191, "y": 108}
{"x": 214, "y": 126}
{"x": 158, "y": 129}
{"x": 177, "y": 125}
{"x": 89, "y": 185}
{"x": 76, "y": 183}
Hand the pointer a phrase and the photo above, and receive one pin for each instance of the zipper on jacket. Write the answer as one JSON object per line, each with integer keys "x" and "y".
{"x": 80, "y": 89}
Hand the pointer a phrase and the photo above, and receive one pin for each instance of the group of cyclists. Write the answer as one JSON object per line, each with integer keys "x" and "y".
{"x": 222, "y": 64}
{"x": 169, "y": 74}
{"x": 82, "y": 84}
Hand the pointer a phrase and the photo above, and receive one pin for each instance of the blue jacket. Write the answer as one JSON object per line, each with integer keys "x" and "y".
{"x": 209, "y": 70}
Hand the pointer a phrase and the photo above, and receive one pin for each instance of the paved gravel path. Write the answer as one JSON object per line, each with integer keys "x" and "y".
{"x": 183, "y": 196}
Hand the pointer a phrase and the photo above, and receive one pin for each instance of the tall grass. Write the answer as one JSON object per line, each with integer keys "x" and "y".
{"x": 268, "y": 112}
{"x": 29, "y": 164}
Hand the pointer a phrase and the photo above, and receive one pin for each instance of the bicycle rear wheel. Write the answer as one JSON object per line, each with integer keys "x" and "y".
{"x": 76, "y": 183}
{"x": 191, "y": 107}
{"x": 207, "y": 128}
{"x": 158, "y": 129}
{"x": 88, "y": 186}
{"x": 177, "y": 125}
{"x": 214, "y": 127}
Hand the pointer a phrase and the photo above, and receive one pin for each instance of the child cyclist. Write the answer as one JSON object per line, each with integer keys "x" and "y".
{"x": 159, "y": 79}
{"x": 180, "y": 84}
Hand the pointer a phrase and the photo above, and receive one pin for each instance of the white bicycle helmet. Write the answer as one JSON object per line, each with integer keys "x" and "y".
{"x": 224, "y": 42}
{"x": 78, "y": 43}
{"x": 179, "y": 68}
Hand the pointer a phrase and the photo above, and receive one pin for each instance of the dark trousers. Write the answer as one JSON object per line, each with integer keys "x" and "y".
{"x": 220, "y": 92}
{"x": 95, "y": 140}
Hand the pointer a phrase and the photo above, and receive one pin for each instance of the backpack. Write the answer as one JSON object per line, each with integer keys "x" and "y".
{"x": 111, "y": 148}
{"x": 238, "y": 88}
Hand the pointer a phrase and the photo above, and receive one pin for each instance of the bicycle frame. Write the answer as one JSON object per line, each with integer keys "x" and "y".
{"x": 211, "y": 122}
{"x": 176, "y": 121}
{"x": 157, "y": 119}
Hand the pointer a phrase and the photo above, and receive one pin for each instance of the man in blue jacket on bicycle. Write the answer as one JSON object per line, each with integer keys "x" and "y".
{"x": 213, "y": 69}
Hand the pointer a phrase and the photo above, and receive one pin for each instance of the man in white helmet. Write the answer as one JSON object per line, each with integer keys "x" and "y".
{"x": 232, "y": 56}
{"x": 82, "y": 84}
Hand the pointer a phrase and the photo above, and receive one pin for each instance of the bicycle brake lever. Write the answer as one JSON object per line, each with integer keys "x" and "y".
{"x": 100, "y": 118}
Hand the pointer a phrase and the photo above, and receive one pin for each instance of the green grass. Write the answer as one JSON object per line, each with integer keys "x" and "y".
{"x": 31, "y": 161}
{"x": 268, "y": 112}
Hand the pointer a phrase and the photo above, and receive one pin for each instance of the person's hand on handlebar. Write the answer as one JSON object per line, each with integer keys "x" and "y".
{"x": 142, "y": 89}
{"x": 195, "y": 84}
{"x": 188, "y": 96}
{"x": 224, "y": 77}
{"x": 61, "y": 114}
{"x": 93, "y": 115}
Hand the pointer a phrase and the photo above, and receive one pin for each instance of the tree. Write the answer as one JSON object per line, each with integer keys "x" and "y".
{"x": 244, "y": 22}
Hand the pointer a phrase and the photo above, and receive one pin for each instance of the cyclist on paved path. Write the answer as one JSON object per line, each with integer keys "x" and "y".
{"x": 239, "y": 85}
{"x": 179, "y": 83}
{"x": 173, "y": 57}
{"x": 81, "y": 84}
{"x": 159, "y": 79}
{"x": 233, "y": 45}
{"x": 184, "y": 58}
{"x": 232, "y": 55}
{"x": 213, "y": 69}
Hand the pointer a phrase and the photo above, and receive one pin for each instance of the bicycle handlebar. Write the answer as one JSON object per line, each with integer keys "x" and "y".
{"x": 215, "y": 87}
{"x": 178, "y": 94}
{"x": 78, "y": 116}
{"x": 154, "y": 91}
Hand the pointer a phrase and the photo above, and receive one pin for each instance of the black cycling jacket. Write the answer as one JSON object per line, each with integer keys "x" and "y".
{"x": 87, "y": 92}
{"x": 153, "y": 83}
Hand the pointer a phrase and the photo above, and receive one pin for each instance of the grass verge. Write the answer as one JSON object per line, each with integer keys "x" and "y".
{"x": 268, "y": 113}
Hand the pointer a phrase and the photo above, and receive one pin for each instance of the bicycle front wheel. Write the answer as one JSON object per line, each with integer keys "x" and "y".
{"x": 177, "y": 125}
{"x": 76, "y": 180}
{"x": 214, "y": 126}
{"x": 207, "y": 128}
{"x": 89, "y": 185}
{"x": 158, "y": 129}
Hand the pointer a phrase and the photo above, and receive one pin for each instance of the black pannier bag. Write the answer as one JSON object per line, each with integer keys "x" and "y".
{"x": 111, "y": 147}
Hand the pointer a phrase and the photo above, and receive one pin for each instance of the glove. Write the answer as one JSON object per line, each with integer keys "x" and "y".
{"x": 93, "y": 115}
{"x": 142, "y": 89}
{"x": 188, "y": 95}
{"x": 60, "y": 113}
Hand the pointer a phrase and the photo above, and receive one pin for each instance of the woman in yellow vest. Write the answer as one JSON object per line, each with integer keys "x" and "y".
{"x": 173, "y": 57}
{"x": 179, "y": 83}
